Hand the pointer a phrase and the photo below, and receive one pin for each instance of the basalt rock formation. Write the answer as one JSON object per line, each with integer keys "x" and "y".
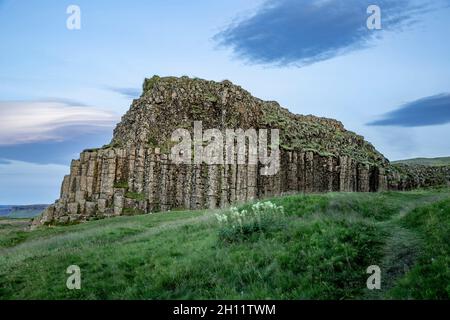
{"x": 135, "y": 173}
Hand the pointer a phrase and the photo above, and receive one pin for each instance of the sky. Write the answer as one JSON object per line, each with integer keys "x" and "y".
{"x": 63, "y": 90}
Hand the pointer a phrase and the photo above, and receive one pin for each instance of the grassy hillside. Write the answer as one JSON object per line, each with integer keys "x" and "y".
{"x": 443, "y": 161}
{"x": 318, "y": 249}
{"x": 18, "y": 212}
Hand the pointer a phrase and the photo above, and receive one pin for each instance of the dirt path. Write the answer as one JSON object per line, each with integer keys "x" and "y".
{"x": 401, "y": 250}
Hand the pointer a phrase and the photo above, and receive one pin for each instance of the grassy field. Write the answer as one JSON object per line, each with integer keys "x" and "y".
{"x": 320, "y": 251}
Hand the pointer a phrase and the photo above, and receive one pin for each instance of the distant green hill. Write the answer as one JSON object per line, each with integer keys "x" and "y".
{"x": 442, "y": 161}
{"x": 17, "y": 212}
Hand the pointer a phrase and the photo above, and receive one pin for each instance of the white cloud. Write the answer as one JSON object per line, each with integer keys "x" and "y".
{"x": 32, "y": 121}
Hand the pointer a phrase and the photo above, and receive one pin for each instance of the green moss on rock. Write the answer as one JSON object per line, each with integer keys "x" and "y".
{"x": 135, "y": 195}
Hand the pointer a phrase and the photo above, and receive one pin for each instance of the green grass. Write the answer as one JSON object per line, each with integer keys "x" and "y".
{"x": 132, "y": 211}
{"x": 135, "y": 195}
{"x": 121, "y": 184}
{"x": 430, "y": 276}
{"x": 321, "y": 252}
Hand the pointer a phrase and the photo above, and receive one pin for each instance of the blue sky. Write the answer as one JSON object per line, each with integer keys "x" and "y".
{"x": 63, "y": 90}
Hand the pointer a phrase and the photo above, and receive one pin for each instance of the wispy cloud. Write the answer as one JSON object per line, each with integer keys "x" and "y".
{"x": 428, "y": 111}
{"x": 302, "y": 32}
{"x": 56, "y": 152}
{"x": 131, "y": 93}
{"x": 33, "y": 121}
{"x": 66, "y": 101}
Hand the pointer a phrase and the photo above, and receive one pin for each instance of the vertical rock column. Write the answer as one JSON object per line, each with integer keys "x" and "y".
{"x": 363, "y": 177}
{"x": 309, "y": 172}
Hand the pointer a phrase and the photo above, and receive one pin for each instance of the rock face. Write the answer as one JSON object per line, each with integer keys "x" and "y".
{"x": 135, "y": 173}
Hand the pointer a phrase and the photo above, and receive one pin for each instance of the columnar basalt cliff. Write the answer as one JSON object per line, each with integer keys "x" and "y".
{"x": 135, "y": 173}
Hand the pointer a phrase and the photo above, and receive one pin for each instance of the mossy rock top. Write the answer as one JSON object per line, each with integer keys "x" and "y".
{"x": 168, "y": 103}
